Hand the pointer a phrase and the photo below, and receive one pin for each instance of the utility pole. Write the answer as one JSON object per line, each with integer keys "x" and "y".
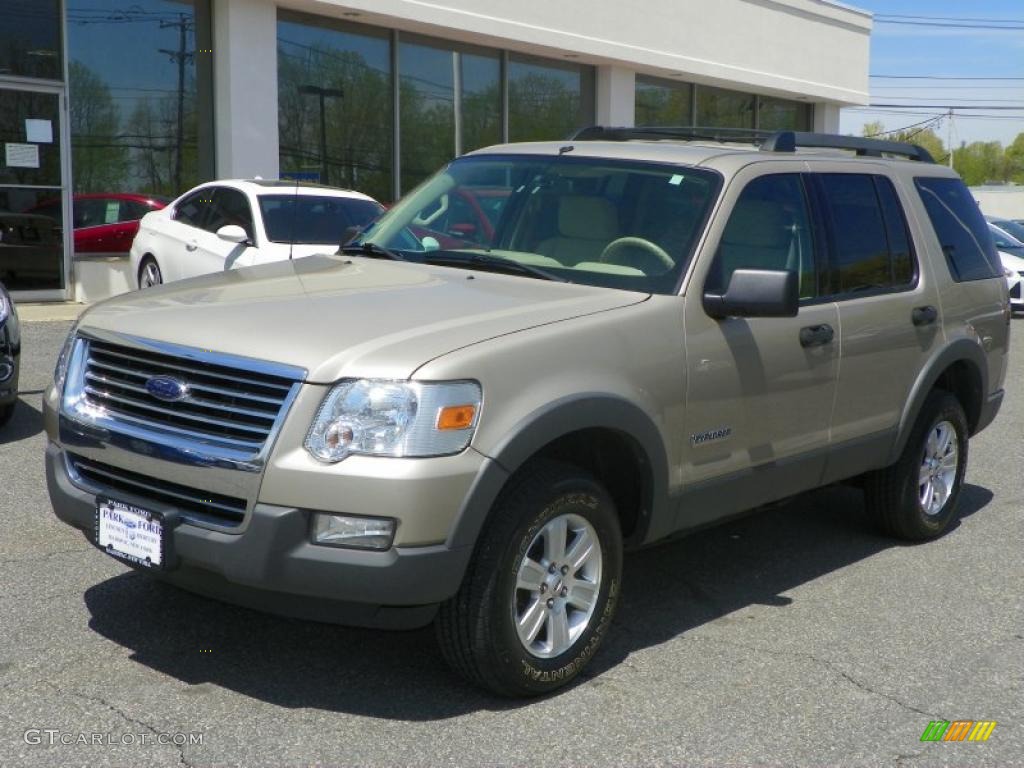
{"x": 949, "y": 136}
{"x": 180, "y": 57}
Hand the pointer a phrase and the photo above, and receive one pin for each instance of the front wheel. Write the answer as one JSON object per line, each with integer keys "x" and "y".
{"x": 542, "y": 588}
{"x": 915, "y": 498}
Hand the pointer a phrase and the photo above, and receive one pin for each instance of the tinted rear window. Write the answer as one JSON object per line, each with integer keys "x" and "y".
{"x": 961, "y": 229}
{"x": 314, "y": 219}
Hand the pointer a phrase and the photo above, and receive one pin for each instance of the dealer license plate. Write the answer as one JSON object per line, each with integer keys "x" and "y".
{"x": 130, "y": 533}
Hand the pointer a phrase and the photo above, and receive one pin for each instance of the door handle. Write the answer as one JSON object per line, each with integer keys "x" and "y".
{"x": 816, "y": 335}
{"x": 925, "y": 315}
{"x": 191, "y": 245}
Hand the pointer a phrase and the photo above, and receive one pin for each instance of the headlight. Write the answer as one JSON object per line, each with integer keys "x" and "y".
{"x": 393, "y": 418}
{"x": 60, "y": 371}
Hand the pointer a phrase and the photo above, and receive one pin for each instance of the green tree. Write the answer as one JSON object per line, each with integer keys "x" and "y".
{"x": 1015, "y": 159}
{"x": 99, "y": 159}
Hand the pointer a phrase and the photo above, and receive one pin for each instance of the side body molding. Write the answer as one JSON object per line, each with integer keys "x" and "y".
{"x": 560, "y": 418}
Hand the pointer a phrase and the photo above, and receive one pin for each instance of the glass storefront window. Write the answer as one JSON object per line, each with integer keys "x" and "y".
{"x": 722, "y": 108}
{"x": 351, "y": 64}
{"x": 31, "y": 220}
{"x": 450, "y": 103}
{"x": 140, "y": 94}
{"x": 30, "y": 40}
{"x": 663, "y": 102}
{"x": 782, "y": 115}
{"x": 548, "y": 100}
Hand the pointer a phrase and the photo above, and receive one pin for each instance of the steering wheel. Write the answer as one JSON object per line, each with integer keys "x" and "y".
{"x": 619, "y": 247}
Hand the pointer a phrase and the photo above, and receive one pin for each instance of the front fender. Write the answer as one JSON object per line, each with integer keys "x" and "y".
{"x": 558, "y": 419}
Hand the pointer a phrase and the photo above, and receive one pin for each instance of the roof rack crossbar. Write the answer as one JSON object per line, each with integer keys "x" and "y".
{"x": 768, "y": 141}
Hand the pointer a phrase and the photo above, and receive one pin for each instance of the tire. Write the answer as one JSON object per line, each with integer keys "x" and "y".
{"x": 894, "y": 495}
{"x": 477, "y": 628}
{"x": 149, "y": 273}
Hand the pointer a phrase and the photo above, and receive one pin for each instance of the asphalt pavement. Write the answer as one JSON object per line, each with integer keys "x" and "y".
{"x": 796, "y": 636}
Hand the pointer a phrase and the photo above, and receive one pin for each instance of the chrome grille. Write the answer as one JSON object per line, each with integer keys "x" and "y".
{"x": 225, "y": 405}
{"x": 203, "y": 506}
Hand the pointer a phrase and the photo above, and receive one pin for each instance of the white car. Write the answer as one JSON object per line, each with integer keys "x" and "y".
{"x": 238, "y": 223}
{"x": 1013, "y": 267}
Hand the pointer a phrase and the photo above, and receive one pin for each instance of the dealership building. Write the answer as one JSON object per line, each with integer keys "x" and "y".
{"x": 100, "y": 98}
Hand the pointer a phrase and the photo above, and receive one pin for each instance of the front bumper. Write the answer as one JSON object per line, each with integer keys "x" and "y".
{"x": 272, "y": 565}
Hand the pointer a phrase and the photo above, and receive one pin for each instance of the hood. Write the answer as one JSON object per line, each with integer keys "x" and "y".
{"x": 339, "y": 316}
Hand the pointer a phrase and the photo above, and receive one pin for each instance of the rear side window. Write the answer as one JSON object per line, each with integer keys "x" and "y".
{"x": 961, "y": 229}
{"x": 870, "y": 244}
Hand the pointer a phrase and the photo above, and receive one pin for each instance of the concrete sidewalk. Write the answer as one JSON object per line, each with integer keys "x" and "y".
{"x": 48, "y": 311}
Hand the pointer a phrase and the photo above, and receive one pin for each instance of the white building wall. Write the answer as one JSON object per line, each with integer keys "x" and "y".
{"x": 789, "y": 48}
{"x": 615, "y": 102}
{"x": 245, "y": 88}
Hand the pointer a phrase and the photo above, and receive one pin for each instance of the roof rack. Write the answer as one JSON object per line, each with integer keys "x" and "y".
{"x": 767, "y": 141}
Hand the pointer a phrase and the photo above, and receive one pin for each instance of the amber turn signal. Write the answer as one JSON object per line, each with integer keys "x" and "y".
{"x": 456, "y": 417}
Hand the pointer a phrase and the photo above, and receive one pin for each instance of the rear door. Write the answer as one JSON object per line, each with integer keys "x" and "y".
{"x": 888, "y": 311}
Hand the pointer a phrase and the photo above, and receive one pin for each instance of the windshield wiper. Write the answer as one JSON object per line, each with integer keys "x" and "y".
{"x": 490, "y": 263}
{"x": 372, "y": 250}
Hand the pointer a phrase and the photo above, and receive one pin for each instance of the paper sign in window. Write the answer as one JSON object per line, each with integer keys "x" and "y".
{"x": 38, "y": 131}
{"x": 21, "y": 155}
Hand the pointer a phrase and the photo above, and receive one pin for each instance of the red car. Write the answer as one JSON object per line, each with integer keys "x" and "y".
{"x": 105, "y": 222}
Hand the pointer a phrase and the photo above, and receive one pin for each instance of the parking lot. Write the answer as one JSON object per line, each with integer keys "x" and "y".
{"x": 796, "y": 636}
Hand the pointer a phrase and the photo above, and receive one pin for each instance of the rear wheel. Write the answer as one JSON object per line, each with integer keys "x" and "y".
{"x": 149, "y": 273}
{"x": 915, "y": 498}
{"x": 542, "y": 588}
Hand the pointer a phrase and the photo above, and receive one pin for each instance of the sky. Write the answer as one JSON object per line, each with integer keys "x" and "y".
{"x": 947, "y": 52}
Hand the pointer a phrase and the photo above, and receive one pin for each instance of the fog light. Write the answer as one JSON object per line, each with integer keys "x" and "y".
{"x": 349, "y": 531}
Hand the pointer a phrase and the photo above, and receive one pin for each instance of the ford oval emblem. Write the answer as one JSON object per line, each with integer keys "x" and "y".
{"x": 167, "y": 388}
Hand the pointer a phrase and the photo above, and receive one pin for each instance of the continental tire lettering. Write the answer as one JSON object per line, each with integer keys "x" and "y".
{"x": 571, "y": 668}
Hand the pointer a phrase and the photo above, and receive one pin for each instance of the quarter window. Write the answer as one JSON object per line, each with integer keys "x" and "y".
{"x": 961, "y": 229}
{"x": 769, "y": 228}
{"x": 870, "y": 243}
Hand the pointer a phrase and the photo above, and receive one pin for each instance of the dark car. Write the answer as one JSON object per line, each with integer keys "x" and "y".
{"x": 10, "y": 352}
{"x": 105, "y": 222}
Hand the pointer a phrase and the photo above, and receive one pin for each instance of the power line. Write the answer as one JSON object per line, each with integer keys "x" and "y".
{"x": 950, "y": 25}
{"x": 949, "y": 106}
{"x": 948, "y": 18}
{"x": 939, "y": 77}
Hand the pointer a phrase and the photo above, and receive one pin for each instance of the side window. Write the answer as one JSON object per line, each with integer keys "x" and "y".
{"x": 870, "y": 243}
{"x": 193, "y": 209}
{"x": 90, "y": 212}
{"x": 769, "y": 228}
{"x": 960, "y": 227}
{"x": 230, "y": 206}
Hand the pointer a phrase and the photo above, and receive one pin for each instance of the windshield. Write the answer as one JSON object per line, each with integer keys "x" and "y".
{"x": 611, "y": 223}
{"x": 1012, "y": 228}
{"x": 315, "y": 219}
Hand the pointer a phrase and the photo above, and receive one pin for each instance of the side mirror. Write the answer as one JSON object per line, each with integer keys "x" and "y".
{"x": 756, "y": 293}
{"x": 233, "y": 234}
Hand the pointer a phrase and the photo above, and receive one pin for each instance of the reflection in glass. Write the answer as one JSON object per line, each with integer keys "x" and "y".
{"x": 548, "y": 100}
{"x": 145, "y": 126}
{"x": 31, "y": 239}
{"x": 663, "y": 102}
{"x": 427, "y": 99}
{"x": 30, "y": 42}
{"x": 335, "y": 56}
{"x": 721, "y": 108}
{"x": 782, "y": 115}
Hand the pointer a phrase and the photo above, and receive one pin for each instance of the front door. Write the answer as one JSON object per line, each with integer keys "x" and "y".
{"x": 34, "y": 259}
{"x": 760, "y": 390}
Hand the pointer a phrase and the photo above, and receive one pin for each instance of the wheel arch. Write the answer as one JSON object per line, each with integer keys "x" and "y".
{"x": 960, "y": 369}
{"x": 606, "y": 435}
